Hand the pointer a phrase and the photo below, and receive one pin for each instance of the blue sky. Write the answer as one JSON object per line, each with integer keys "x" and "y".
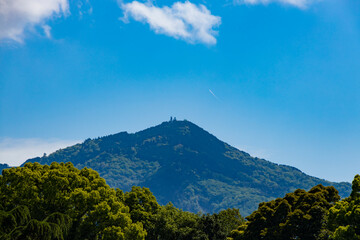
{"x": 278, "y": 79}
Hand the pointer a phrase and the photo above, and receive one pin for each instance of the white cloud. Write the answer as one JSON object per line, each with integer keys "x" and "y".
{"x": 18, "y": 15}
{"x": 16, "y": 151}
{"x": 296, "y": 3}
{"x": 47, "y": 31}
{"x": 185, "y": 21}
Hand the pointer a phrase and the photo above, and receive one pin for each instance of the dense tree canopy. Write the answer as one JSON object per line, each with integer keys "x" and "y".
{"x": 344, "y": 217}
{"x": 218, "y": 226}
{"x": 143, "y": 208}
{"x": 169, "y": 222}
{"x": 78, "y": 203}
{"x": 299, "y": 215}
{"x": 60, "y": 202}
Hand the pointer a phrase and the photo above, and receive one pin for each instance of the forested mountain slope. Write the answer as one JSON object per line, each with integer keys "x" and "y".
{"x": 182, "y": 163}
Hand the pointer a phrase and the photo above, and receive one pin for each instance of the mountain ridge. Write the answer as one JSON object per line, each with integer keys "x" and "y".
{"x": 3, "y": 166}
{"x": 182, "y": 163}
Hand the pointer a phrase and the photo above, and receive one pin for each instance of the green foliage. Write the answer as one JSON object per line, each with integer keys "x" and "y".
{"x": 218, "y": 226}
{"x": 60, "y": 202}
{"x": 17, "y": 224}
{"x": 344, "y": 217}
{"x": 62, "y": 220}
{"x": 143, "y": 207}
{"x": 17, "y": 217}
{"x": 142, "y": 203}
{"x": 63, "y": 203}
{"x": 299, "y": 215}
{"x": 203, "y": 173}
{"x": 173, "y": 223}
{"x": 7, "y": 222}
{"x": 38, "y": 230}
{"x": 356, "y": 187}
{"x": 168, "y": 222}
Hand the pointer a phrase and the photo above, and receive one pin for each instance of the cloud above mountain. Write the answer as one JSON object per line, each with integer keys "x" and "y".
{"x": 15, "y": 151}
{"x": 16, "y": 16}
{"x": 186, "y": 21}
{"x": 296, "y": 3}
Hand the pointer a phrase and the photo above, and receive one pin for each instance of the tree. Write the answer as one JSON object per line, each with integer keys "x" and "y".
{"x": 218, "y": 226}
{"x": 299, "y": 215}
{"x": 344, "y": 217}
{"x": 168, "y": 222}
{"x": 60, "y": 202}
{"x": 143, "y": 207}
{"x": 60, "y": 194}
{"x": 173, "y": 223}
{"x": 9, "y": 220}
{"x": 17, "y": 224}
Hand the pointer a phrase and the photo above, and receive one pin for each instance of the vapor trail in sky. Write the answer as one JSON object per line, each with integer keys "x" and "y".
{"x": 213, "y": 94}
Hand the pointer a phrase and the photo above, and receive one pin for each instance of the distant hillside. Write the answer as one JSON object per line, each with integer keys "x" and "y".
{"x": 3, "y": 166}
{"x": 182, "y": 163}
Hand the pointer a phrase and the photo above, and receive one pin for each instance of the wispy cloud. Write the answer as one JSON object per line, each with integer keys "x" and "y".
{"x": 297, "y": 3}
{"x": 16, "y": 151}
{"x": 187, "y": 21}
{"x": 18, "y": 15}
{"x": 47, "y": 31}
{"x": 84, "y": 7}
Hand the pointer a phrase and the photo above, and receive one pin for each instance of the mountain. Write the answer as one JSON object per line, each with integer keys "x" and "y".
{"x": 3, "y": 166}
{"x": 182, "y": 163}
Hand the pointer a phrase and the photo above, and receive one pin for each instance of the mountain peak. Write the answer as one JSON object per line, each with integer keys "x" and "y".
{"x": 182, "y": 163}
{"x": 179, "y": 126}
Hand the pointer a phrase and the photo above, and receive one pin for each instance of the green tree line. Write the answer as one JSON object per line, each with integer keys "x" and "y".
{"x": 61, "y": 202}
{"x": 316, "y": 214}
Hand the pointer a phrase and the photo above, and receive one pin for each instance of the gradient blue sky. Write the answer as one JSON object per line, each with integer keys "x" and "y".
{"x": 278, "y": 79}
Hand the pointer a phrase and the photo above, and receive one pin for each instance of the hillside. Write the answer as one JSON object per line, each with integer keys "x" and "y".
{"x": 3, "y": 166}
{"x": 182, "y": 163}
